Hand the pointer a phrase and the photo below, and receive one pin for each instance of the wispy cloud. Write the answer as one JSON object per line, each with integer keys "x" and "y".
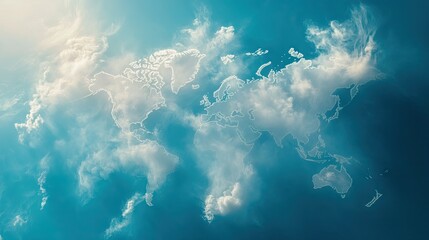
{"x": 117, "y": 224}
{"x": 18, "y": 221}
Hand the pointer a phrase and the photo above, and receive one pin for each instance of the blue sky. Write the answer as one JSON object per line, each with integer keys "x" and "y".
{"x": 97, "y": 144}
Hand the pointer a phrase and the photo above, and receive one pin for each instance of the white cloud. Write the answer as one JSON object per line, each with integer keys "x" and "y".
{"x": 258, "y": 72}
{"x": 229, "y": 58}
{"x": 8, "y": 103}
{"x": 216, "y": 42}
{"x": 222, "y": 37}
{"x": 153, "y": 157}
{"x": 257, "y": 52}
{"x": 118, "y": 224}
{"x": 18, "y": 221}
{"x": 33, "y": 120}
{"x": 134, "y": 157}
{"x": 65, "y": 73}
{"x": 184, "y": 67}
{"x": 221, "y": 154}
{"x": 228, "y": 202}
{"x": 200, "y": 37}
{"x": 223, "y": 204}
{"x": 41, "y": 181}
{"x": 295, "y": 53}
{"x": 199, "y": 32}
{"x": 131, "y": 203}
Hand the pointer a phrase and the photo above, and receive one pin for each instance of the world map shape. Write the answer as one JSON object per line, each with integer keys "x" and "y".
{"x": 292, "y": 100}
{"x": 295, "y": 100}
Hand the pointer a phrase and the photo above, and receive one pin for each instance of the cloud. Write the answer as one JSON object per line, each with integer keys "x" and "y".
{"x": 216, "y": 42}
{"x": 18, "y": 221}
{"x": 229, "y": 58}
{"x": 117, "y": 224}
{"x": 257, "y": 52}
{"x": 295, "y": 54}
{"x": 63, "y": 77}
{"x": 41, "y": 182}
{"x": 228, "y": 202}
{"x": 8, "y": 104}
{"x": 258, "y": 72}
{"x": 158, "y": 162}
{"x": 33, "y": 120}
{"x": 221, "y": 154}
{"x": 199, "y": 33}
{"x": 200, "y": 37}
{"x": 131, "y": 156}
{"x": 348, "y": 46}
{"x": 44, "y": 166}
{"x": 222, "y": 37}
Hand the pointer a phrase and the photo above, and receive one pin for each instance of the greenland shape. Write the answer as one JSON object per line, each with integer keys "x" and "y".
{"x": 184, "y": 67}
